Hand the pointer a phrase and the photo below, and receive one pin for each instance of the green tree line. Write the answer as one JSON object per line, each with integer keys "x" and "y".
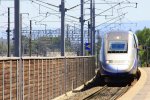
{"x": 44, "y": 44}
{"x": 39, "y": 46}
{"x": 144, "y": 41}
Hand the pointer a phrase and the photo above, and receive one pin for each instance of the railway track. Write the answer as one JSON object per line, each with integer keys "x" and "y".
{"x": 108, "y": 93}
{"x": 99, "y": 90}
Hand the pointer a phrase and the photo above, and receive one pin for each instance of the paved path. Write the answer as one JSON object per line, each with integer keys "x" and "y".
{"x": 141, "y": 90}
{"x": 144, "y": 93}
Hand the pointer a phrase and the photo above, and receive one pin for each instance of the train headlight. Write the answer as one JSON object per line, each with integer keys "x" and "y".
{"x": 109, "y": 61}
{"x": 117, "y": 61}
{"x": 117, "y": 37}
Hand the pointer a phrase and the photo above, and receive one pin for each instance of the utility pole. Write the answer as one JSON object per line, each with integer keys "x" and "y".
{"x": 30, "y": 46}
{"x": 38, "y": 44}
{"x": 2, "y": 47}
{"x": 67, "y": 32}
{"x": 62, "y": 10}
{"x": 91, "y": 25}
{"x": 82, "y": 27}
{"x": 20, "y": 36}
{"x": 147, "y": 56}
{"x": 20, "y": 60}
{"x": 74, "y": 29}
{"x": 88, "y": 32}
{"x": 89, "y": 36}
{"x": 17, "y": 28}
{"x": 17, "y": 44}
{"x": 8, "y": 34}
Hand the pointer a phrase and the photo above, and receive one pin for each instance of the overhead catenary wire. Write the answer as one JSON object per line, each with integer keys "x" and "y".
{"x": 116, "y": 3}
{"x": 77, "y": 5}
{"x": 67, "y": 19}
{"x": 55, "y": 10}
{"x": 72, "y": 16}
{"x": 111, "y": 19}
{"x": 58, "y": 7}
{"x": 106, "y": 10}
{"x": 44, "y": 6}
{"x": 110, "y": 24}
{"x": 57, "y": 14}
{"x": 44, "y": 18}
{"x": 48, "y": 3}
{"x": 125, "y": 7}
{"x": 37, "y": 16}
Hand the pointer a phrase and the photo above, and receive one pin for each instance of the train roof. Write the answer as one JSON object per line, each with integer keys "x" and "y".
{"x": 120, "y": 32}
{"x": 113, "y": 34}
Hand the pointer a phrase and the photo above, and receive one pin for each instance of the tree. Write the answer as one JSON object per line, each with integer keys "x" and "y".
{"x": 3, "y": 49}
{"x": 144, "y": 40}
{"x": 43, "y": 44}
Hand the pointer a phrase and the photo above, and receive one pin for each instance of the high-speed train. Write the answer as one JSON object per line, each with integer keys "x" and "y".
{"x": 119, "y": 54}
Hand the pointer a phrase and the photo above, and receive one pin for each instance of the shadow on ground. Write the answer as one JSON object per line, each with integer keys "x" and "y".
{"x": 99, "y": 81}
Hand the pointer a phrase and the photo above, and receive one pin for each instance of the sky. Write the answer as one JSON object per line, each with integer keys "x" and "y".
{"x": 44, "y": 17}
{"x": 141, "y": 13}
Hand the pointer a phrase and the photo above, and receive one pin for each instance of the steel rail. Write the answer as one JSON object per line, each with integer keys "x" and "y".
{"x": 120, "y": 93}
{"x": 96, "y": 93}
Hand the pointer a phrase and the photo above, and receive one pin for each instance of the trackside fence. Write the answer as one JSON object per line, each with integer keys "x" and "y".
{"x": 43, "y": 78}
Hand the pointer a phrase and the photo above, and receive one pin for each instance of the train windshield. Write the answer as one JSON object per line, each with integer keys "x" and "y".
{"x": 117, "y": 47}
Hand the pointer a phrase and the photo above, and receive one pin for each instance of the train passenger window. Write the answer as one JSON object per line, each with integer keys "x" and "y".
{"x": 117, "y": 47}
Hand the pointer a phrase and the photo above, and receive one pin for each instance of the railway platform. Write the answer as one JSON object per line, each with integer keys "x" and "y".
{"x": 141, "y": 90}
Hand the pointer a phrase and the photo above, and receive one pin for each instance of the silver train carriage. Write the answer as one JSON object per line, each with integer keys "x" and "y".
{"x": 119, "y": 54}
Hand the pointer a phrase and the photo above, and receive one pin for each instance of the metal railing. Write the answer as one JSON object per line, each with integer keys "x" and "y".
{"x": 43, "y": 78}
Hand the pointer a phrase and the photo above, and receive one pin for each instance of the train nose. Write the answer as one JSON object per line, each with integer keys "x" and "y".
{"x": 117, "y": 65}
{"x": 110, "y": 68}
